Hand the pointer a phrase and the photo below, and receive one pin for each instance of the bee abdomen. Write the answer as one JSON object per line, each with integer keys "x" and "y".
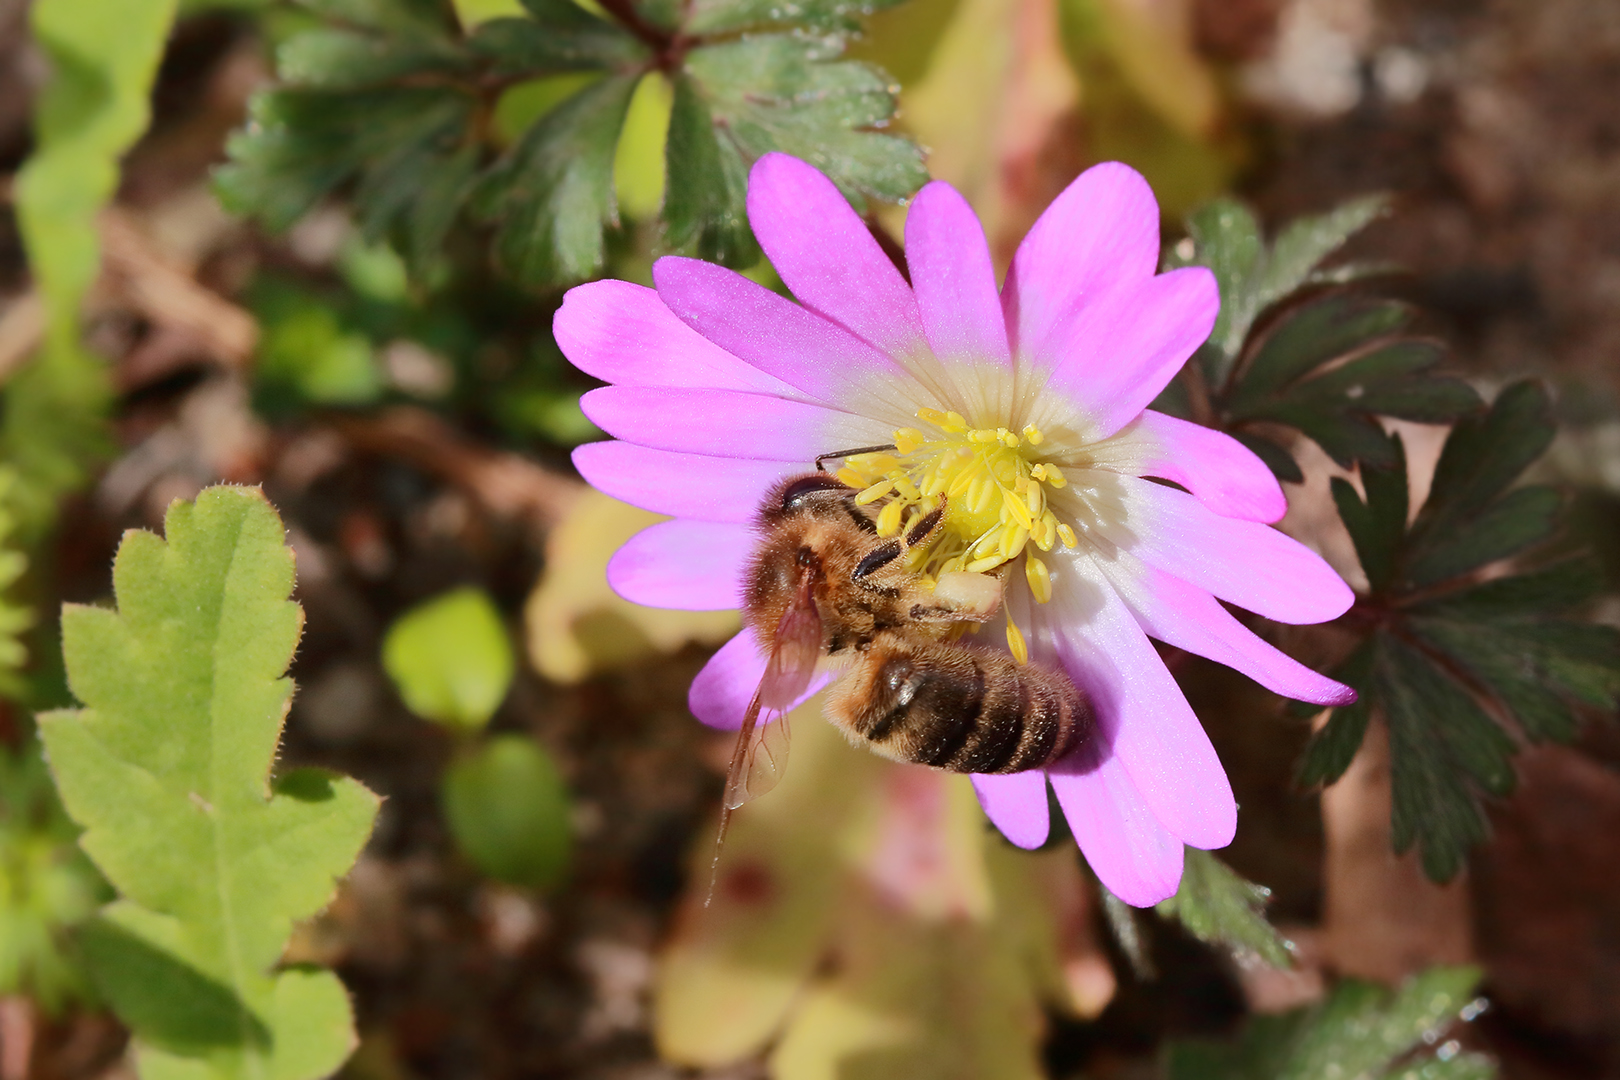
{"x": 959, "y": 708}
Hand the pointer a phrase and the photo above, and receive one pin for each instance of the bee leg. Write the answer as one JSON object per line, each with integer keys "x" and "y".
{"x": 925, "y": 527}
{"x": 877, "y": 559}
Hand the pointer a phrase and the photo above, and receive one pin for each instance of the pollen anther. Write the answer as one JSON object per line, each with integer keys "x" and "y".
{"x": 997, "y": 495}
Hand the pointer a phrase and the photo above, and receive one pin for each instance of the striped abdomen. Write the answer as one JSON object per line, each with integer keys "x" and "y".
{"x": 960, "y": 708}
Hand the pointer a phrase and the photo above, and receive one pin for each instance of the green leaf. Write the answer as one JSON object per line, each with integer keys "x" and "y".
{"x": 308, "y": 350}
{"x": 47, "y": 886}
{"x": 712, "y": 17}
{"x": 1377, "y": 527}
{"x": 553, "y": 194}
{"x": 777, "y": 92}
{"x": 1219, "y": 907}
{"x": 704, "y": 209}
{"x": 1314, "y": 335}
{"x": 1227, "y": 240}
{"x": 560, "y": 36}
{"x": 404, "y": 148}
{"x": 1461, "y": 525}
{"x": 1336, "y": 405}
{"x": 15, "y": 617}
{"x": 508, "y": 810}
{"x": 94, "y": 107}
{"x": 450, "y": 658}
{"x": 1446, "y": 652}
{"x": 332, "y": 58}
{"x": 394, "y": 110}
{"x": 1302, "y": 246}
{"x": 1440, "y": 739}
{"x": 1361, "y": 1030}
{"x": 1328, "y": 367}
{"x": 1333, "y": 747}
{"x": 167, "y": 766}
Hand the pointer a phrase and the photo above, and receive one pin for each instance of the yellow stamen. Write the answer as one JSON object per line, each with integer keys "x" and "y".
{"x": 1015, "y": 642}
{"x": 1020, "y": 512}
{"x": 1039, "y": 578}
{"x": 996, "y": 496}
{"x": 1013, "y": 541}
{"x": 874, "y": 493}
{"x": 888, "y": 519}
{"x": 1067, "y": 533}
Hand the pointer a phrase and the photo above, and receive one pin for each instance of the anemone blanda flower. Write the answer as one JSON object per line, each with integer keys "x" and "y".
{"x": 1028, "y": 408}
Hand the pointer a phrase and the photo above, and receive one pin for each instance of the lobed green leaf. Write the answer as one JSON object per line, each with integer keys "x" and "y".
{"x": 94, "y": 107}
{"x": 1361, "y": 1030}
{"x": 394, "y": 109}
{"x": 1219, "y": 907}
{"x": 167, "y": 767}
{"x": 552, "y": 197}
{"x": 1449, "y": 660}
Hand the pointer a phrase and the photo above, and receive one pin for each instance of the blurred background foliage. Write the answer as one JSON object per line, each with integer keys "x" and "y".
{"x": 317, "y": 246}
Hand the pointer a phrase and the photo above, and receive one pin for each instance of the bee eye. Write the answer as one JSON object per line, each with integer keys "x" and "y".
{"x": 797, "y": 493}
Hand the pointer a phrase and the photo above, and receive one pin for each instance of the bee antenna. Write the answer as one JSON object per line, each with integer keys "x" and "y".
{"x": 851, "y": 452}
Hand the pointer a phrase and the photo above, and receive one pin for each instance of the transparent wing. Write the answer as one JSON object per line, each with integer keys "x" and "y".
{"x": 795, "y": 651}
{"x": 760, "y": 757}
{"x": 756, "y": 765}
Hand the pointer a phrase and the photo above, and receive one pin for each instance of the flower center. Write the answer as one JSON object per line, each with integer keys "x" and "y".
{"x": 995, "y": 492}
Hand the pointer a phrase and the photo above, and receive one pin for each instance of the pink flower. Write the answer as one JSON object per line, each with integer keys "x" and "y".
{"x": 1028, "y": 406}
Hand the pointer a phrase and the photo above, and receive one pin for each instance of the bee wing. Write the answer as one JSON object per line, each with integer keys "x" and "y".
{"x": 760, "y": 757}
{"x": 795, "y": 650}
{"x": 756, "y": 765}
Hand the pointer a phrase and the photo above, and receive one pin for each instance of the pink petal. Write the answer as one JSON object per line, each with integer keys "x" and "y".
{"x": 1224, "y": 474}
{"x": 968, "y": 359}
{"x": 1016, "y": 804}
{"x": 1243, "y": 562}
{"x": 722, "y": 690}
{"x": 727, "y": 423}
{"x": 1100, "y": 234}
{"x": 1141, "y": 713}
{"x": 686, "y": 485}
{"x": 954, "y": 279}
{"x": 827, "y": 255}
{"x": 1189, "y": 618}
{"x": 1111, "y": 358}
{"x": 1132, "y": 854}
{"x": 777, "y": 336}
{"x": 622, "y": 333}
{"x": 692, "y": 565}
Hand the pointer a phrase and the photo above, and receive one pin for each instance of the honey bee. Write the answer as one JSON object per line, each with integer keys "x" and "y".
{"x": 823, "y": 583}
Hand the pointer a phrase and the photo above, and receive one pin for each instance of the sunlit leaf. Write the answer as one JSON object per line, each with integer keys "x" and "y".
{"x": 450, "y": 658}
{"x": 391, "y": 108}
{"x": 168, "y": 769}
